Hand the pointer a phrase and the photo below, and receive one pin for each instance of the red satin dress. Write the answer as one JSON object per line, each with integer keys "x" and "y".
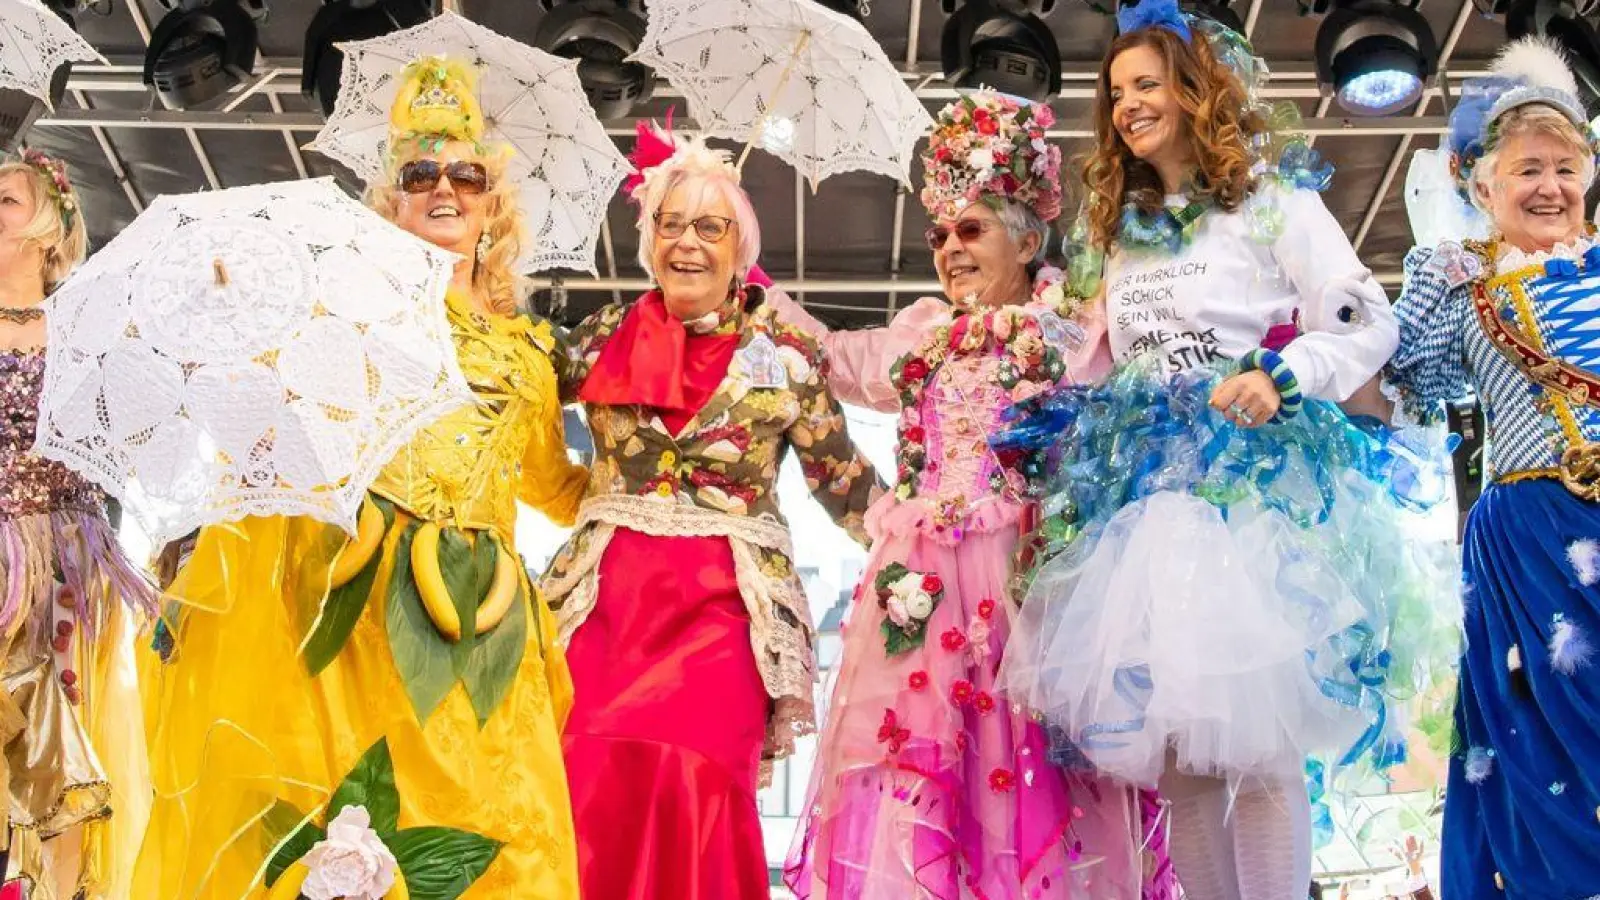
{"x": 664, "y": 743}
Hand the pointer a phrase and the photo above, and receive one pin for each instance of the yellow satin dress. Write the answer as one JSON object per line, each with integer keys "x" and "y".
{"x": 240, "y": 732}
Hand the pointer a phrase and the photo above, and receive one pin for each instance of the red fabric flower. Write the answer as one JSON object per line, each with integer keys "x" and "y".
{"x": 983, "y": 703}
{"x": 1009, "y": 183}
{"x": 918, "y": 680}
{"x": 891, "y": 733}
{"x": 942, "y": 154}
{"x": 984, "y": 122}
{"x": 961, "y": 692}
{"x": 915, "y": 434}
{"x": 932, "y": 584}
{"x": 914, "y": 370}
{"x": 986, "y": 609}
{"x": 961, "y": 741}
{"x": 1002, "y": 781}
{"x": 953, "y": 640}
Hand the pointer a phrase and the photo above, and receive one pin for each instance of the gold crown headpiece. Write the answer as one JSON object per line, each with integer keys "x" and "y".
{"x": 437, "y": 99}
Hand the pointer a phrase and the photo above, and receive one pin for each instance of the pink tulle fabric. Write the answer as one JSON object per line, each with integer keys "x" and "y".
{"x": 929, "y": 783}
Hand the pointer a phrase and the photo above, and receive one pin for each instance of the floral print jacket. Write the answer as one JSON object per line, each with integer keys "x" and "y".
{"x": 718, "y": 476}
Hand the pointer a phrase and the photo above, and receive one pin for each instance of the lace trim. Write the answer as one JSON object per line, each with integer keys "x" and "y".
{"x": 780, "y": 618}
{"x": 1510, "y": 258}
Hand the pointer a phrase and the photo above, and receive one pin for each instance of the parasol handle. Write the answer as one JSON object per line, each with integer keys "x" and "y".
{"x": 220, "y": 271}
{"x": 783, "y": 81}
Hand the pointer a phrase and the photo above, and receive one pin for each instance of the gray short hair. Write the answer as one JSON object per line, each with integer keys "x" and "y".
{"x": 1021, "y": 221}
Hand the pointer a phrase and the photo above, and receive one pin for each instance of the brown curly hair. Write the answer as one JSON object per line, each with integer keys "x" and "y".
{"x": 493, "y": 277}
{"x": 1218, "y": 126}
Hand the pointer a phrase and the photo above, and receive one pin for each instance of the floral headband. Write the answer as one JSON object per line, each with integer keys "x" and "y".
{"x": 990, "y": 148}
{"x": 56, "y": 185}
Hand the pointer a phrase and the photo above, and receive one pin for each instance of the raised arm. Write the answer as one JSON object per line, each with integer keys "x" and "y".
{"x": 1430, "y": 368}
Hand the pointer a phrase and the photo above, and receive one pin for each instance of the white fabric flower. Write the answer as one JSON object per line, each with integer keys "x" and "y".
{"x": 980, "y": 160}
{"x": 897, "y": 610}
{"x": 351, "y": 862}
{"x": 907, "y": 584}
{"x": 919, "y": 605}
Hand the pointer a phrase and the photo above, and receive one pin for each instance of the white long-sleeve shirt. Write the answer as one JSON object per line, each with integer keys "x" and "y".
{"x": 1218, "y": 296}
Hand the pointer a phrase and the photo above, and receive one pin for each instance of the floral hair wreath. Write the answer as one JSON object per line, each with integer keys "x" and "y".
{"x": 56, "y": 184}
{"x": 990, "y": 148}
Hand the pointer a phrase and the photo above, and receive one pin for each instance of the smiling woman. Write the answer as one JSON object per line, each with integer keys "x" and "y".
{"x": 677, "y": 591}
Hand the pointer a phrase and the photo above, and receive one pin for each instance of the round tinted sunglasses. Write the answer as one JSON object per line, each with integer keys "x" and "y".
{"x": 421, "y": 176}
{"x": 966, "y": 231}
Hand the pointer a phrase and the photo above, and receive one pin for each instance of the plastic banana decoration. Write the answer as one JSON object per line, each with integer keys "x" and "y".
{"x": 435, "y": 592}
{"x": 288, "y": 885}
{"x": 360, "y": 550}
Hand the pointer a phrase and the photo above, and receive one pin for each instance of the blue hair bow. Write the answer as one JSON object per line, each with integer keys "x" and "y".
{"x": 1133, "y": 15}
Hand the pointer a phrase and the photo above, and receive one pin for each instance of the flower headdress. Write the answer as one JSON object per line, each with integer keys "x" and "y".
{"x": 990, "y": 148}
{"x": 1529, "y": 71}
{"x": 56, "y": 185}
{"x": 437, "y": 102}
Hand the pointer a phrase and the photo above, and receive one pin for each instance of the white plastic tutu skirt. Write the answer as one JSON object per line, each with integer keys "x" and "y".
{"x": 1230, "y": 595}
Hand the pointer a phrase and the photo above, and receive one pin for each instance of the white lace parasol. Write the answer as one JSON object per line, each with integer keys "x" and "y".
{"x": 803, "y": 82}
{"x": 34, "y": 42}
{"x": 262, "y": 350}
{"x": 567, "y": 166}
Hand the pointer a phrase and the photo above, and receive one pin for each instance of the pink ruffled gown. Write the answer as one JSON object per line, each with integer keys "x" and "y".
{"x": 928, "y": 783}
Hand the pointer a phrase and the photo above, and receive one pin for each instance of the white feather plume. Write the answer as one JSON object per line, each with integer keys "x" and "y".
{"x": 1569, "y": 647}
{"x": 1479, "y": 765}
{"x": 1536, "y": 61}
{"x": 1585, "y": 558}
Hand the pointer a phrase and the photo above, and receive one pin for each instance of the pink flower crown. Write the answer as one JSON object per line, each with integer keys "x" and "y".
{"x": 57, "y": 184}
{"x": 990, "y": 148}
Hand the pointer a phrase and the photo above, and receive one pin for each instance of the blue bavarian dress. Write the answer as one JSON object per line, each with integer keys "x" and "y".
{"x": 1522, "y": 810}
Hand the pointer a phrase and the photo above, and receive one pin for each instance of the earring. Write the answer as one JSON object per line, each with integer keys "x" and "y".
{"x": 484, "y": 243}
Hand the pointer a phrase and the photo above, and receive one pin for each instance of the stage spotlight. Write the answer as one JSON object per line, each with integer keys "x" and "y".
{"x": 1374, "y": 55}
{"x": 201, "y": 49}
{"x": 1217, "y": 11}
{"x": 1564, "y": 23}
{"x": 350, "y": 20}
{"x": 600, "y": 35}
{"x": 1003, "y": 45}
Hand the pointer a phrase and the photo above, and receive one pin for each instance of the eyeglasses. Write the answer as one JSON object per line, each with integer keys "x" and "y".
{"x": 711, "y": 229}
{"x": 421, "y": 176}
{"x": 966, "y": 231}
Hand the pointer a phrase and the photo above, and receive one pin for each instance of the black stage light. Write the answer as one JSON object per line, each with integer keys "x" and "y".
{"x": 1218, "y": 11}
{"x": 350, "y": 20}
{"x": 1375, "y": 56}
{"x": 202, "y": 49}
{"x": 1564, "y": 23}
{"x": 1002, "y": 45}
{"x": 600, "y": 35}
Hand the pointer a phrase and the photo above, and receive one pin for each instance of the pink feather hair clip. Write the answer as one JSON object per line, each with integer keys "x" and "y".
{"x": 654, "y": 145}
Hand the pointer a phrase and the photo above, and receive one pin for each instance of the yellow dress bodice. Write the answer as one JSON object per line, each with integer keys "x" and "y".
{"x": 459, "y": 468}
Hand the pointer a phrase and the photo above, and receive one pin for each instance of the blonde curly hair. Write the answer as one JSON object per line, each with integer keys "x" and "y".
{"x": 64, "y": 247}
{"x": 494, "y": 276}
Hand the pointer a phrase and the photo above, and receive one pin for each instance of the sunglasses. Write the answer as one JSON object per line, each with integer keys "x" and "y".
{"x": 421, "y": 176}
{"x": 966, "y": 231}
{"x": 711, "y": 229}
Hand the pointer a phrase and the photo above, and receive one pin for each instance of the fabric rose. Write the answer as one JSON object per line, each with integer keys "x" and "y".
{"x": 981, "y": 160}
{"x": 898, "y": 613}
{"x": 919, "y": 605}
{"x": 351, "y": 862}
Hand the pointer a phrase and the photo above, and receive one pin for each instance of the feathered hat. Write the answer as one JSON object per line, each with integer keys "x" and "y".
{"x": 991, "y": 148}
{"x": 1531, "y": 70}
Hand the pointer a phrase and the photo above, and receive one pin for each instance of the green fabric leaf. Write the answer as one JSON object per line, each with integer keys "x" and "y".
{"x": 896, "y": 641}
{"x": 441, "y": 863}
{"x": 484, "y": 554}
{"x": 497, "y": 659}
{"x": 421, "y": 653}
{"x": 283, "y": 819}
{"x": 344, "y": 606}
{"x": 371, "y": 784}
{"x": 457, "y": 563}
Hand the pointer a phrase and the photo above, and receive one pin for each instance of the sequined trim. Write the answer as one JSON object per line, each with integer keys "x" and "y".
{"x": 1528, "y": 475}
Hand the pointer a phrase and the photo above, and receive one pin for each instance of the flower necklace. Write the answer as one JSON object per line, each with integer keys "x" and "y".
{"x": 1027, "y": 337}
